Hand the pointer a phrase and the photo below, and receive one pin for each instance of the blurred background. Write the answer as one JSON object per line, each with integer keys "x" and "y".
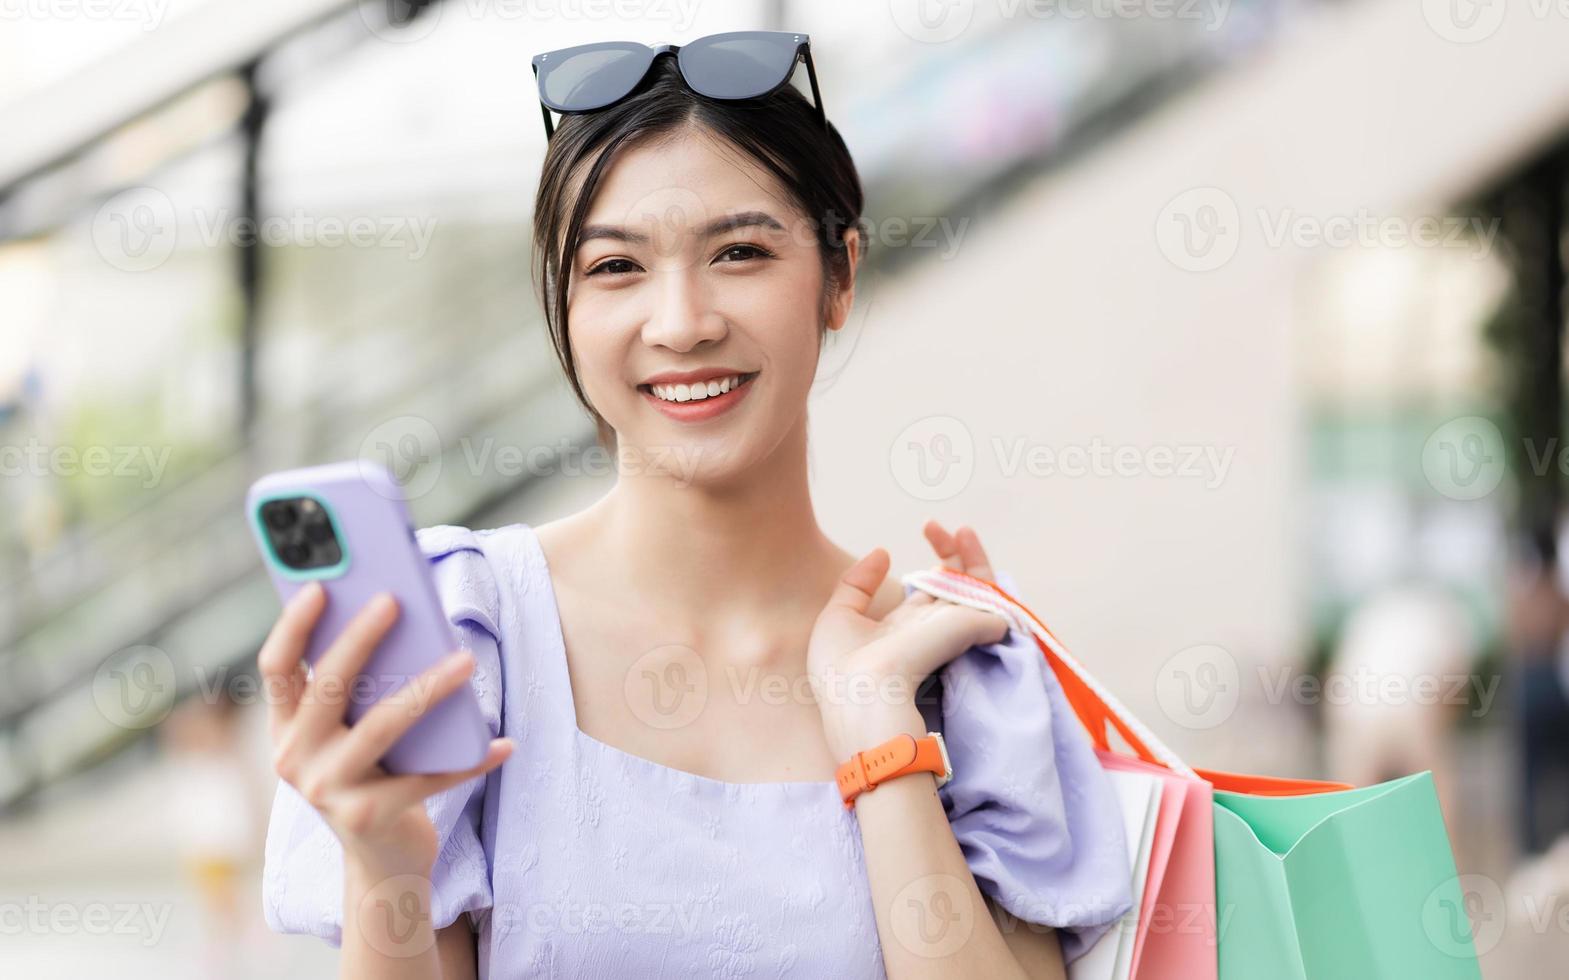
{"x": 1235, "y": 327}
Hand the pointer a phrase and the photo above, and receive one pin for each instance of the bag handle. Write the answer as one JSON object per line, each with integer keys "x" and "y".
{"x": 1095, "y": 706}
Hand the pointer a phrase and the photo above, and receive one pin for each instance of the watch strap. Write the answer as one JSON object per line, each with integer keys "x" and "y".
{"x": 899, "y": 756}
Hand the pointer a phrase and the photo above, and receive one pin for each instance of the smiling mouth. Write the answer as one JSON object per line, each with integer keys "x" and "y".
{"x": 697, "y": 391}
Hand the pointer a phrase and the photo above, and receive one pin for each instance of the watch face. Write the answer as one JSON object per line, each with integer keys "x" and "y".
{"x": 947, "y": 764}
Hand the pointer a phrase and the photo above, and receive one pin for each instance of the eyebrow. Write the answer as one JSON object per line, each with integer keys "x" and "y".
{"x": 730, "y": 222}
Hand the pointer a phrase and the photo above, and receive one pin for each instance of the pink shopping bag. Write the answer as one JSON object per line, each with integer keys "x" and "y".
{"x": 1175, "y": 936}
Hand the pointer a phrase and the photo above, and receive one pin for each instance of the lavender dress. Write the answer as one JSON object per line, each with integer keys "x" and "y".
{"x": 576, "y": 859}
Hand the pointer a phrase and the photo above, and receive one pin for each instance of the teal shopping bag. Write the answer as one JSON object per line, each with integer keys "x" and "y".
{"x": 1351, "y": 885}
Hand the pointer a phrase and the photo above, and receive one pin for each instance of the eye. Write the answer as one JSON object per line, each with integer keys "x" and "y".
{"x": 614, "y": 267}
{"x": 742, "y": 251}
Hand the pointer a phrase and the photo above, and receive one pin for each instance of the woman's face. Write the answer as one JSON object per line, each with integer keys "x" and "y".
{"x": 694, "y": 263}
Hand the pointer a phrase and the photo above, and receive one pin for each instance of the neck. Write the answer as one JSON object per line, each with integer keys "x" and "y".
{"x": 752, "y": 542}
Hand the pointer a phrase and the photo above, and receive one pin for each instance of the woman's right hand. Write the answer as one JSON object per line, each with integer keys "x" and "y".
{"x": 379, "y": 818}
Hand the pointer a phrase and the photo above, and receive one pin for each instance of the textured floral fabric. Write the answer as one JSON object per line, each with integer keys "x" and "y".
{"x": 576, "y": 859}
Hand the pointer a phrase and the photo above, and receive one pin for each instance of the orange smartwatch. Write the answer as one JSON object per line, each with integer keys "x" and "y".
{"x": 899, "y": 756}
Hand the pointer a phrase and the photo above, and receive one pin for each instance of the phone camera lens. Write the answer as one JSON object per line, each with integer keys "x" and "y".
{"x": 281, "y": 515}
{"x": 318, "y": 532}
{"x": 294, "y": 554}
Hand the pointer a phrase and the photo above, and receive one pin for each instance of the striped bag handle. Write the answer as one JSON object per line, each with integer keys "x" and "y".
{"x": 1095, "y": 706}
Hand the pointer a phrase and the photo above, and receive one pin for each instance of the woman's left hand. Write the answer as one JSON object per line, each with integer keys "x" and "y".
{"x": 865, "y": 671}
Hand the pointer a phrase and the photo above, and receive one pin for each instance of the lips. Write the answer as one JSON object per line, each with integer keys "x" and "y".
{"x": 699, "y": 409}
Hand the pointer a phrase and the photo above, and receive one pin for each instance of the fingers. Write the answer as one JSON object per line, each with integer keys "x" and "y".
{"x": 325, "y": 698}
{"x": 953, "y": 629}
{"x": 943, "y": 544}
{"x": 972, "y": 554}
{"x": 280, "y": 660}
{"x": 961, "y": 550}
{"x": 405, "y": 790}
{"x": 859, "y": 584}
{"x": 376, "y": 731}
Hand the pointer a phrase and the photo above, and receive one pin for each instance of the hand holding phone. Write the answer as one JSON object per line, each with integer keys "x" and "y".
{"x": 384, "y": 717}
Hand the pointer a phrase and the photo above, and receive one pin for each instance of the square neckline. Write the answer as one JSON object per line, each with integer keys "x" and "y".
{"x": 559, "y": 634}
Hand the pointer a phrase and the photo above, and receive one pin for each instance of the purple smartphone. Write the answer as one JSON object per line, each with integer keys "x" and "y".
{"x": 345, "y": 524}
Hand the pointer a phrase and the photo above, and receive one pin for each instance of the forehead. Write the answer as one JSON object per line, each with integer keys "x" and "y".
{"x": 685, "y": 181}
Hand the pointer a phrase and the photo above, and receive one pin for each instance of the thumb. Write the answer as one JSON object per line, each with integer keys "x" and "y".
{"x": 859, "y": 583}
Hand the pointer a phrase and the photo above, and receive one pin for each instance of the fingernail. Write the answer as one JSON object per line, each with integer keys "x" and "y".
{"x": 306, "y": 594}
{"x": 456, "y": 660}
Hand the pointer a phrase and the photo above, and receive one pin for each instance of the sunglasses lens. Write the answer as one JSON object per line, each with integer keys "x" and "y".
{"x": 737, "y": 66}
{"x": 580, "y": 79}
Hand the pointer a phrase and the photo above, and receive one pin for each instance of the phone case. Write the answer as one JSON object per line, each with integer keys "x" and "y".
{"x": 379, "y": 554}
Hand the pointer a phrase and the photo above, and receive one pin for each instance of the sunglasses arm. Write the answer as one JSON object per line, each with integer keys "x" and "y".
{"x": 544, "y": 110}
{"x": 817, "y": 98}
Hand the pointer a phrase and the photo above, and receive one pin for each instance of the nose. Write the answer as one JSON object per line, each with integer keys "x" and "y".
{"x": 682, "y": 318}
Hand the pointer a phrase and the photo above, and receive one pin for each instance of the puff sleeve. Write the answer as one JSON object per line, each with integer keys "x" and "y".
{"x": 1034, "y": 814}
{"x": 302, "y": 881}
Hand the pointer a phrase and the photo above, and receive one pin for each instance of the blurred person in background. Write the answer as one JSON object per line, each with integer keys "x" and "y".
{"x": 215, "y": 810}
{"x": 1538, "y": 631}
{"x": 1397, "y": 682}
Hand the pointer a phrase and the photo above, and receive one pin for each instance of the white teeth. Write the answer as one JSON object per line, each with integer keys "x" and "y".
{"x": 697, "y": 391}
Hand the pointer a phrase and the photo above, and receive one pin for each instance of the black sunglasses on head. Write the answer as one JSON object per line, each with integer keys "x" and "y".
{"x": 737, "y": 65}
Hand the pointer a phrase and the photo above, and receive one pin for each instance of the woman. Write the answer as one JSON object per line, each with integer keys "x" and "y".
{"x": 676, "y": 673}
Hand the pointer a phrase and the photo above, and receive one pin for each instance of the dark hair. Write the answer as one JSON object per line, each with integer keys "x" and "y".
{"x": 780, "y": 132}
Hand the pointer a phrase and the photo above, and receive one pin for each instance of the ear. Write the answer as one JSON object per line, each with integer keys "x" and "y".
{"x": 839, "y": 307}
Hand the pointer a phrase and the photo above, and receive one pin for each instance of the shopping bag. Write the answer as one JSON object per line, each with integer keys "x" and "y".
{"x": 1354, "y": 884}
{"x": 1139, "y": 797}
{"x": 1170, "y": 931}
{"x": 1312, "y": 880}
